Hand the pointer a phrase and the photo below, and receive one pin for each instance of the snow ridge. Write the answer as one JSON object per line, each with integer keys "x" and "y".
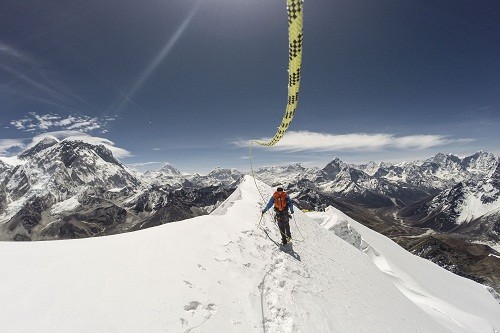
{"x": 213, "y": 273}
{"x": 464, "y": 313}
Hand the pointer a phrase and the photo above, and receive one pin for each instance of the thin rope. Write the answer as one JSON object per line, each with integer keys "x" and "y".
{"x": 265, "y": 231}
{"x": 297, "y": 227}
{"x": 264, "y": 201}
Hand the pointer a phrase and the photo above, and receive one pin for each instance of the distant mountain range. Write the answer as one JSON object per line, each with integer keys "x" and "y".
{"x": 444, "y": 192}
{"x": 72, "y": 189}
{"x": 439, "y": 208}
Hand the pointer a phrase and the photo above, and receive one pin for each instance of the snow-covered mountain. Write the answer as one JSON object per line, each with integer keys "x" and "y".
{"x": 3, "y": 167}
{"x": 221, "y": 177}
{"x": 54, "y": 178}
{"x": 285, "y": 174}
{"x": 382, "y": 184}
{"x": 172, "y": 177}
{"x": 73, "y": 189}
{"x": 435, "y": 173}
{"x": 377, "y": 185}
{"x": 61, "y": 169}
{"x": 348, "y": 181}
{"x": 221, "y": 273}
{"x": 443, "y": 170}
{"x": 470, "y": 207}
{"x": 439, "y": 208}
{"x": 167, "y": 175}
{"x": 371, "y": 168}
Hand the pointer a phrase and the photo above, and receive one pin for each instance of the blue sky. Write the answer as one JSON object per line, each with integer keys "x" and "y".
{"x": 191, "y": 82}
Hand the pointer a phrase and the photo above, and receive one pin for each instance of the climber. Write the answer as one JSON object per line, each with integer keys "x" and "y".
{"x": 282, "y": 203}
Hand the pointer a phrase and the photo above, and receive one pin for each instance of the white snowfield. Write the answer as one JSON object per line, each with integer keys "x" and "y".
{"x": 459, "y": 304}
{"x": 220, "y": 273}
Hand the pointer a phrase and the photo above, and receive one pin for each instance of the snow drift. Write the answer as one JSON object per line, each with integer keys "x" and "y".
{"x": 210, "y": 274}
{"x": 460, "y": 304}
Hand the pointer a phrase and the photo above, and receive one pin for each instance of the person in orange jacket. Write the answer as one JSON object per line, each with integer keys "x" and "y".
{"x": 282, "y": 204}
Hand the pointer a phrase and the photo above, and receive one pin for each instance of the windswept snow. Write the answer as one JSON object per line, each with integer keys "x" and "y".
{"x": 473, "y": 207}
{"x": 220, "y": 273}
{"x": 66, "y": 205}
{"x": 11, "y": 161}
{"x": 457, "y": 303}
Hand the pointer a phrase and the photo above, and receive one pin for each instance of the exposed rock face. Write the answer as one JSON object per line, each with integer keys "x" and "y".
{"x": 3, "y": 168}
{"x": 22, "y": 224}
{"x": 3, "y": 200}
{"x": 41, "y": 146}
{"x": 90, "y": 222}
{"x": 177, "y": 205}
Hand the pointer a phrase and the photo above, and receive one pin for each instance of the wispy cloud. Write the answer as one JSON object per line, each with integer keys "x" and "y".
{"x": 9, "y": 51}
{"x": 71, "y": 127}
{"x": 85, "y": 137}
{"x": 34, "y": 122}
{"x": 37, "y": 84}
{"x": 324, "y": 142}
{"x": 8, "y": 144}
{"x": 31, "y": 79}
{"x": 146, "y": 163}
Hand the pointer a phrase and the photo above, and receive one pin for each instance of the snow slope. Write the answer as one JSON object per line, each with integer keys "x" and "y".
{"x": 216, "y": 273}
{"x": 458, "y": 303}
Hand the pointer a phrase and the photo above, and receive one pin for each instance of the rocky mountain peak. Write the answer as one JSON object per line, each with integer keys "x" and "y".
{"x": 220, "y": 176}
{"x": 3, "y": 166}
{"x": 71, "y": 151}
{"x": 282, "y": 169}
{"x": 444, "y": 160}
{"x": 333, "y": 168}
{"x": 294, "y": 167}
{"x": 218, "y": 171}
{"x": 442, "y": 165}
{"x": 167, "y": 175}
{"x": 45, "y": 143}
{"x": 169, "y": 169}
{"x": 63, "y": 168}
{"x": 50, "y": 150}
{"x": 496, "y": 174}
{"x": 373, "y": 168}
{"x": 481, "y": 161}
